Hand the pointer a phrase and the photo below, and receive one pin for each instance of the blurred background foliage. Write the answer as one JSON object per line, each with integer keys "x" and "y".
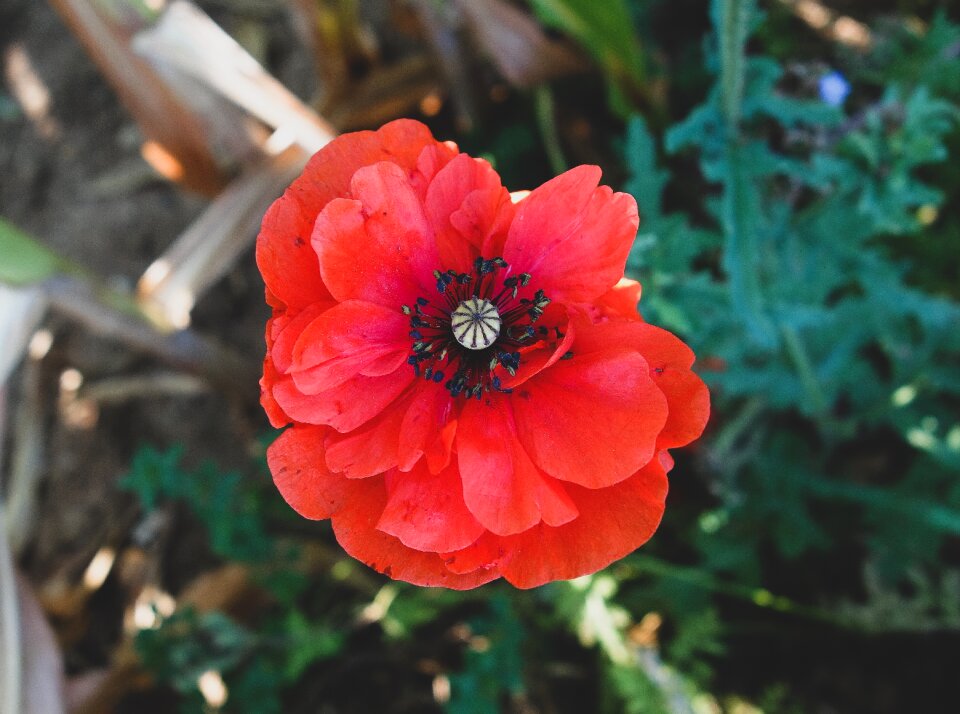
{"x": 793, "y": 161}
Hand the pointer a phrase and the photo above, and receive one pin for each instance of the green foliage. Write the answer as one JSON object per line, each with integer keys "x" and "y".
{"x": 881, "y": 163}
{"x": 254, "y": 689}
{"x": 667, "y": 245}
{"x": 628, "y": 691}
{"x": 785, "y": 279}
{"x": 188, "y": 644}
{"x": 23, "y": 261}
{"x": 410, "y": 608}
{"x": 698, "y": 639}
{"x": 913, "y": 57}
{"x": 605, "y": 29}
{"x": 930, "y": 604}
{"x": 255, "y": 666}
{"x": 801, "y": 279}
{"x": 9, "y": 109}
{"x": 514, "y": 153}
{"x": 634, "y": 678}
{"x": 228, "y": 505}
{"x": 313, "y": 642}
{"x": 493, "y": 663}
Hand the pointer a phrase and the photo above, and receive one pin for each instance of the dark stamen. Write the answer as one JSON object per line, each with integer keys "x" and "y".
{"x": 476, "y": 325}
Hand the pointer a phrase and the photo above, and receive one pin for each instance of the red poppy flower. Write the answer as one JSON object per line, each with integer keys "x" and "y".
{"x": 471, "y": 390}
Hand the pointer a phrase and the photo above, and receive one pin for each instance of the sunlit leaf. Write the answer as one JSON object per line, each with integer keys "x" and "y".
{"x": 606, "y": 30}
{"x": 23, "y": 261}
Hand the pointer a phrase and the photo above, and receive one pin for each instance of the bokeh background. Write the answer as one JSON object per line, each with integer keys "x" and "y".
{"x": 795, "y": 166}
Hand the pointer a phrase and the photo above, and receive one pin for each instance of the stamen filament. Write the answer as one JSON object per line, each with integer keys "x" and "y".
{"x": 477, "y": 326}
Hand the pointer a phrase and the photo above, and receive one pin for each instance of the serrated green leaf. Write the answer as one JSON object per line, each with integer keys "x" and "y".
{"x": 647, "y": 181}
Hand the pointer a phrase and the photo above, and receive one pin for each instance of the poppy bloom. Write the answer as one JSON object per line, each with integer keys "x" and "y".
{"x": 470, "y": 389}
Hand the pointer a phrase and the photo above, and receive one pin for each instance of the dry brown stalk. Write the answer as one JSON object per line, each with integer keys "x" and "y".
{"x": 163, "y": 117}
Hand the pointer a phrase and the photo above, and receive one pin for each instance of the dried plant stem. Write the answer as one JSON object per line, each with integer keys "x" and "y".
{"x": 25, "y": 460}
{"x": 517, "y": 44}
{"x": 188, "y": 41}
{"x": 442, "y": 37}
{"x": 210, "y": 246}
{"x": 116, "y": 390}
{"x": 10, "y": 644}
{"x": 162, "y": 116}
{"x": 110, "y": 314}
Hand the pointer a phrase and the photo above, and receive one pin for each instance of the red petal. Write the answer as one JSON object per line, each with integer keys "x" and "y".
{"x": 612, "y": 522}
{"x": 501, "y": 485}
{"x": 593, "y": 419}
{"x": 405, "y": 141}
{"x": 546, "y": 353}
{"x": 659, "y": 347}
{"x": 301, "y": 475}
{"x": 428, "y": 428}
{"x": 431, "y": 160}
{"x": 687, "y": 396}
{"x": 289, "y": 332}
{"x": 367, "y": 450}
{"x": 467, "y": 207}
{"x": 572, "y": 236}
{"x": 621, "y": 300}
{"x": 346, "y": 407}
{"x": 385, "y": 364}
{"x": 426, "y": 511}
{"x": 346, "y": 339}
{"x": 378, "y": 247}
{"x": 556, "y": 506}
{"x": 329, "y": 171}
{"x": 666, "y": 460}
{"x": 270, "y": 377}
{"x": 689, "y": 401}
{"x": 669, "y": 360}
{"x": 484, "y": 553}
{"x": 284, "y": 255}
{"x": 355, "y": 528}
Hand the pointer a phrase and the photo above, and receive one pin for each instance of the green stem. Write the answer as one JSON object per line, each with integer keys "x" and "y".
{"x": 732, "y": 22}
{"x": 941, "y": 518}
{"x": 726, "y": 440}
{"x": 546, "y": 120}
{"x": 740, "y": 204}
{"x": 808, "y": 378}
{"x": 760, "y": 597}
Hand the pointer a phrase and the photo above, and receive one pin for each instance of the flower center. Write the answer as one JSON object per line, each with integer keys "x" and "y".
{"x": 476, "y": 323}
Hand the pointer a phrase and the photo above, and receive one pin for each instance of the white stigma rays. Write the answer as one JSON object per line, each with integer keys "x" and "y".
{"x": 475, "y": 323}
